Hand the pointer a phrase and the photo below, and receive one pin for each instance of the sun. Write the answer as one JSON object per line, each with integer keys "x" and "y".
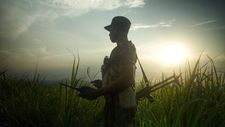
{"x": 173, "y": 54}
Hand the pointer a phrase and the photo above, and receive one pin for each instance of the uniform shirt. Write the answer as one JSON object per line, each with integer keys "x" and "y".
{"x": 123, "y": 54}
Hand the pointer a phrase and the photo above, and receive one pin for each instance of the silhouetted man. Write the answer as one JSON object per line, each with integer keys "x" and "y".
{"x": 118, "y": 77}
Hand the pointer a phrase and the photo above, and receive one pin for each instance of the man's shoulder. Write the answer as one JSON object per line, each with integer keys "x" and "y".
{"x": 128, "y": 47}
{"x": 128, "y": 44}
{"x": 125, "y": 53}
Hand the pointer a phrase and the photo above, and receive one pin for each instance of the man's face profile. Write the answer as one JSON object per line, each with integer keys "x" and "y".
{"x": 113, "y": 34}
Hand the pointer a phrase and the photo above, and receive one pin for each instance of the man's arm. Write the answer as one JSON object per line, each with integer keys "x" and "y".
{"x": 124, "y": 81}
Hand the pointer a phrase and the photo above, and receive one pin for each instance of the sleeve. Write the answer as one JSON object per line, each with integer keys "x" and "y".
{"x": 127, "y": 56}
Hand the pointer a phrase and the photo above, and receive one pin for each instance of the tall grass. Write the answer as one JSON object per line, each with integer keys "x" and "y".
{"x": 198, "y": 102}
{"x": 26, "y": 102}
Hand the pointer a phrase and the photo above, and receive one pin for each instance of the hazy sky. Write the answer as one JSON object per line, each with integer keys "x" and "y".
{"x": 47, "y": 32}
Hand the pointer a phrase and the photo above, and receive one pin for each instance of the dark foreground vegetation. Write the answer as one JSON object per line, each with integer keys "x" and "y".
{"x": 198, "y": 102}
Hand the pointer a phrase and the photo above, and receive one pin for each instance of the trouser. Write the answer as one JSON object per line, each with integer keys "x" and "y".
{"x": 117, "y": 116}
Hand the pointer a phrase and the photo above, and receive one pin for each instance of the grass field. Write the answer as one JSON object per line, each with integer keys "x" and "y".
{"x": 198, "y": 102}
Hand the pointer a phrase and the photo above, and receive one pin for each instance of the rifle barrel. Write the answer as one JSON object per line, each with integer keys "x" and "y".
{"x": 162, "y": 82}
{"x": 156, "y": 88}
{"x": 69, "y": 86}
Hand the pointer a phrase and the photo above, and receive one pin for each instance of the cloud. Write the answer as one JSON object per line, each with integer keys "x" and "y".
{"x": 161, "y": 24}
{"x": 135, "y": 3}
{"x": 209, "y": 27}
{"x": 77, "y": 7}
{"x": 203, "y": 23}
{"x": 81, "y": 4}
{"x": 19, "y": 17}
{"x": 24, "y": 25}
{"x": 216, "y": 28}
{"x": 22, "y": 15}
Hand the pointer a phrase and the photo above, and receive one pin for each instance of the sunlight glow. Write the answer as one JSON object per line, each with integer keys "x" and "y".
{"x": 173, "y": 54}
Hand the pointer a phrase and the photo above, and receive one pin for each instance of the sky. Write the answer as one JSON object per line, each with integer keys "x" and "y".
{"x": 47, "y": 33}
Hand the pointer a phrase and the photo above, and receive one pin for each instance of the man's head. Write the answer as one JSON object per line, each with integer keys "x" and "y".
{"x": 118, "y": 28}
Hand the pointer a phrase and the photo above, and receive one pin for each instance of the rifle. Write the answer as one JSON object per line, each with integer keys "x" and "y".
{"x": 145, "y": 92}
{"x": 82, "y": 89}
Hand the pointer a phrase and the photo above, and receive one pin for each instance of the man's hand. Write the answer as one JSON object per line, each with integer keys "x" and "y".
{"x": 88, "y": 93}
{"x": 97, "y": 83}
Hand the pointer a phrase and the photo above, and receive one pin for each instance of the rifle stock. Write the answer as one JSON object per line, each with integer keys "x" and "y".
{"x": 148, "y": 89}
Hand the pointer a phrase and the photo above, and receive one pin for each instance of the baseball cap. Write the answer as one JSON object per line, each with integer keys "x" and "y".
{"x": 119, "y": 20}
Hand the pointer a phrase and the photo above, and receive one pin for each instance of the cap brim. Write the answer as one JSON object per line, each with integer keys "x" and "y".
{"x": 108, "y": 28}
